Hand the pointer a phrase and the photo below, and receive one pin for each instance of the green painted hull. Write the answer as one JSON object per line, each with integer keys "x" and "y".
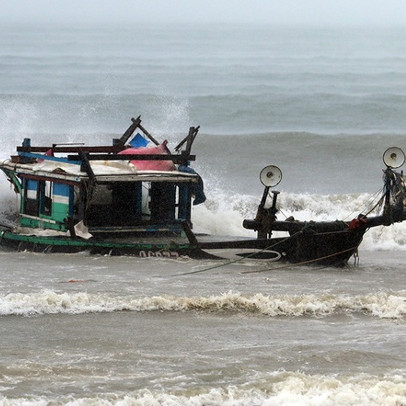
{"x": 331, "y": 248}
{"x": 67, "y": 244}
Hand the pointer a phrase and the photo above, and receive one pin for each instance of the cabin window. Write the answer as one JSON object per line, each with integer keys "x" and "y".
{"x": 30, "y": 206}
{"x": 37, "y": 197}
{"x": 62, "y": 201}
{"x": 124, "y": 204}
{"x": 163, "y": 197}
{"x": 169, "y": 201}
{"x": 146, "y": 201}
{"x": 184, "y": 202}
{"x": 45, "y": 197}
{"x": 99, "y": 210}
{"x": 163, "y": 201}
{"x": 117, "y": 204}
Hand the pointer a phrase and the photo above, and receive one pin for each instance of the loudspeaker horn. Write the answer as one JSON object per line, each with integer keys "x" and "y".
{"x": 393, "y": 157}
{"x": 270, "y": 176}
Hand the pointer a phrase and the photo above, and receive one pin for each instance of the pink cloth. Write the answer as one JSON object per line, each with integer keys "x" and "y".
{"x": 49, "y": 152}
{"x": 151, "y": 165}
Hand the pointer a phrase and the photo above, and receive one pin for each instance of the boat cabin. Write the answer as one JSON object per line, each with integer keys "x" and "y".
{"x": 108, "y": 189}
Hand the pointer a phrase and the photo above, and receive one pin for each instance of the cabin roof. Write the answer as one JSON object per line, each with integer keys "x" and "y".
{"x": 104, "y": 171}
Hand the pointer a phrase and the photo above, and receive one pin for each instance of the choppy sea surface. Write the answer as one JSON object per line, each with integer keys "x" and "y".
{"x": 323, "y": 104}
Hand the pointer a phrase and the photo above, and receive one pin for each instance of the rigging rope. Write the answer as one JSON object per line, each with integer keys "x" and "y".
{"x": 239, "y": 259}
{"x": 304, "y": 262}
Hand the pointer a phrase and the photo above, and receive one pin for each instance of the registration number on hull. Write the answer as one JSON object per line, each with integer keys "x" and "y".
{"x": 158, "y": 254}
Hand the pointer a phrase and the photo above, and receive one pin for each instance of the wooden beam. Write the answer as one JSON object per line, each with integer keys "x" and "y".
{"x": 133, "y": 157}
{"x": 130, "y": 130}
{"x": 100, "y": 149}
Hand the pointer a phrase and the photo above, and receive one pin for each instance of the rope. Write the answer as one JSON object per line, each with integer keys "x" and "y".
{"x": 238, "y": 259}
{"x": 270, "y": 269}
{"x": 376, "y": 205}
{"x": 378, "y": 193}
{"x": 304, "y": 262}
{"x": 356, "y": 258}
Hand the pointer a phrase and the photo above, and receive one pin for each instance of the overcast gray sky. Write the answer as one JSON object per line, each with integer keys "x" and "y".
{"x": 384, "y": 12}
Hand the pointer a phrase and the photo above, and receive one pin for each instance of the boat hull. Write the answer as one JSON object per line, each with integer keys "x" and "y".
{"x": 61, "y": 244}
{"x": 333, "y": 248}
{"x": 327, "y": 248}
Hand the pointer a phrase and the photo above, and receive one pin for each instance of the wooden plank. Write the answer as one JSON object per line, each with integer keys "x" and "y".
{"x": 189, "y": 139}
{"x": 148, "y": 134}
{"x": 107, "y": 157}
{"x": 135, "y": 157}
{"x": 136, "y": 124}
{"x": 46, "y": 158}
{"x": 65, "y": 149}
{"x": 130, "y": 130}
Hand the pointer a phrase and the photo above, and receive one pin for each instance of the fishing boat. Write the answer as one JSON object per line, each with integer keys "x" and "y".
{"x": 131, "y": 199}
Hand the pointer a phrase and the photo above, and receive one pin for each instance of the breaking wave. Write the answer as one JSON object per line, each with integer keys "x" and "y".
{"x": 381, "y": 304}
{"x": 277, "y": 388}
{"x": 305, "y": 207}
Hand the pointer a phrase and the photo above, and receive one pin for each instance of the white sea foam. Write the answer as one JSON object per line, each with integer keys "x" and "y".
{"x": 274, "y": 389}
{"x": 380, "y": 304}
{"x": 223, "y": 215}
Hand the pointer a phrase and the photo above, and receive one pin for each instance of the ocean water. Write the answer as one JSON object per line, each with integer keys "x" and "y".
{"x": 323, "y": 104}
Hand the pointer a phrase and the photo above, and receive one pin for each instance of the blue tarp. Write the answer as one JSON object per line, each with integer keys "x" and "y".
{"x": 197, "y": 189}
{"x": 139, "y": 141}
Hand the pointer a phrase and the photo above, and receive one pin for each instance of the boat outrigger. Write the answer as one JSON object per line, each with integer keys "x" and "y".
{"x": 130, "y": 199}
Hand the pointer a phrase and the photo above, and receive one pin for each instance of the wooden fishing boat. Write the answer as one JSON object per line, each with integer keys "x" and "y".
{"x": 130, "y": 199}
